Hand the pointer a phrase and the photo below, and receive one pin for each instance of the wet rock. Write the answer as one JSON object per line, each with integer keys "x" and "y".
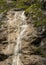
{"x": 33, "y": 42}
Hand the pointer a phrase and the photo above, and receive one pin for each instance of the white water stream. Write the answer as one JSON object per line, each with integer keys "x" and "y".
{"x": 16, "y": 59}
{"x": 21, "y": 20}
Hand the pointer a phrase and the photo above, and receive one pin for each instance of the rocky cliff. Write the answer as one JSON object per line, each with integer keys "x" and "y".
{"x": 33, "y": 42}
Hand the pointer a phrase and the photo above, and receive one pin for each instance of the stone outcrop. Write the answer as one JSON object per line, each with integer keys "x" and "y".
{"x": 33, "y": 43}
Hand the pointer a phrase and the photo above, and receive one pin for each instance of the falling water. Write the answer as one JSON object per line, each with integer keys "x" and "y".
{"x": 19, "y": 20}
{"x": 17, "y": 50}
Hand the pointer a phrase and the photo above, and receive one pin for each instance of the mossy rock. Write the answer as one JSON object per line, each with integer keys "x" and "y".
{"x": 37, "y": 14}
{"x": 4, "y": 6}
{"x": 24, "y": 4}
{"x": 34, "y": 8}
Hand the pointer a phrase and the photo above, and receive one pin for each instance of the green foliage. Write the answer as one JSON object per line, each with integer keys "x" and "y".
{"x": 4, "y": 6}
{"x": 21, "y": 4}
{"x": 24, "y": 4}
{"x": 37, "y": 14}
{"x": 33, "y": 10}
{"x": 41, "y": 22}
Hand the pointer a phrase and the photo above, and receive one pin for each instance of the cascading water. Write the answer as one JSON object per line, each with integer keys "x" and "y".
{"x": 17, "y": 50}
{"x": 18, "y": 19}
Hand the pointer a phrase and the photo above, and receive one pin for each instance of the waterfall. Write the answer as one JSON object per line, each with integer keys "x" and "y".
{"x": 17, "y": 50}
{"x": 19, "y": 20}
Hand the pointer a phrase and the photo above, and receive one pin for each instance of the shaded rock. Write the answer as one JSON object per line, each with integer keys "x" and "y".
{"x": 3, "y": 57}
{"x": 31, "y": 60}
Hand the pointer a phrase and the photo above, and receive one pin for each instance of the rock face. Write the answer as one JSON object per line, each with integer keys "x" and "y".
{"x": 33, "y": 43}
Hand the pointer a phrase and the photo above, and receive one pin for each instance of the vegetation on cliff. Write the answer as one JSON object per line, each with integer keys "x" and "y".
{"x": 34, "y": 40}
{"x": 24, "y": 4}
{"x": 37, "y": 14}
{"x": 33, "y": 8}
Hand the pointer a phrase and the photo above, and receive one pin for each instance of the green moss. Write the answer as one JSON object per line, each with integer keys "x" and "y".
{"x": 21, "y": 4}
{"x": 33, "y": 8}
{"x": 24, "y": 4}
{"x": 5, "y": 7}
{"x": 41, "y": 22}
{"x": 36, "y": 14}
{"x": 14, "y": 4}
